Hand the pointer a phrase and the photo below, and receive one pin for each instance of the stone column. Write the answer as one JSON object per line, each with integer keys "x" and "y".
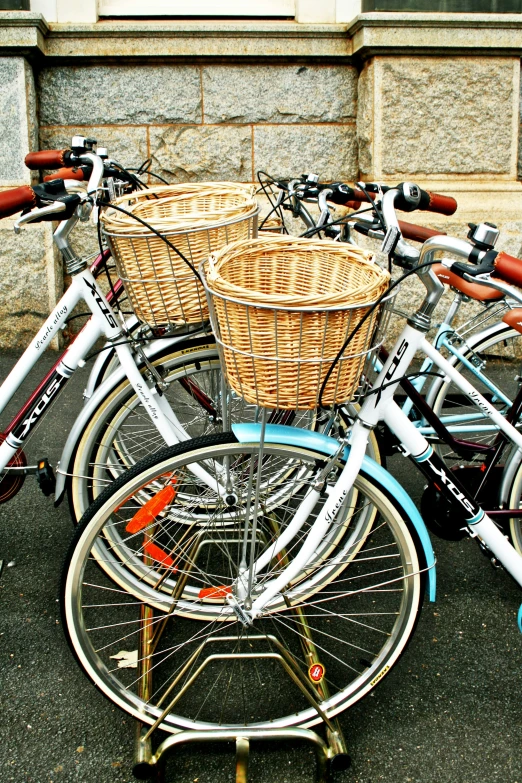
{"x": 31, "y": 278}
{"x": 451, "y": 124}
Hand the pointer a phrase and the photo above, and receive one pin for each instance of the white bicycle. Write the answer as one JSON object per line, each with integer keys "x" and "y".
{"x": 233, "y": 601}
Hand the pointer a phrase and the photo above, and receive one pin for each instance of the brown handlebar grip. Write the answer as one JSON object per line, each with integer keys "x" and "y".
{"x": 13, "y": 201}
{"x": 509, "y": 268}
{"x": 65, "y": 174}
{"x": 45, "y": 159}
{"x": 418, "y": 233}
{"x": 360, "y": 196}
{"x": 444, "y": 205}
{"x": 352, "y": 204}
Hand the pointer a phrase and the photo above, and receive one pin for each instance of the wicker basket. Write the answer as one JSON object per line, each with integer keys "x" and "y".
{"x": 197, "y": 218}
{"x": 281, "y": 309}
{"x": 272, "y": 225}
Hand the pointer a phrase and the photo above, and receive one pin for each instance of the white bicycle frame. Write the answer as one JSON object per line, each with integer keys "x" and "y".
{"x": 382, "y": 407}
{"x": 379, "y": 405}
{"x": 103, "y": 323}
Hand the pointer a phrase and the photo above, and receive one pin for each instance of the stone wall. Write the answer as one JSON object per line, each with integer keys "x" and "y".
{"x": 390, "y": 97}
{"x": 214, "y": 122}
{"x": 31, "y": 278}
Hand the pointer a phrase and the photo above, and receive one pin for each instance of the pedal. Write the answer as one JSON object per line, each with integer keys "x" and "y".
{"x": 45, "y": 477}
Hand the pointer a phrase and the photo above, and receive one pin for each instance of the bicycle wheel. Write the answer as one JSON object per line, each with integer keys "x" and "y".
{"x": 121, "y": 433}
{"x": 515, "y": 501}
{"x": 497, "y": 355}
{"x": 165, "y": 608}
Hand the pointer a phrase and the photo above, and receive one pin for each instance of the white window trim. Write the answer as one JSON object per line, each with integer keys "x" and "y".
{"x": 259, "y": 8}
{"x": 304, "y": 11}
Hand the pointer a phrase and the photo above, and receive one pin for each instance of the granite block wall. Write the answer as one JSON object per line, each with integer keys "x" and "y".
{"x": 30, "y": 270}
{"x": 442, "y": 118}
{"x": 209, "y": 122}
{"x": 447, "y": 122}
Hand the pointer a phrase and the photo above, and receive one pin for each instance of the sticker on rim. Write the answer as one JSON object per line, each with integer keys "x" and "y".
{"x": 316, "y": 672}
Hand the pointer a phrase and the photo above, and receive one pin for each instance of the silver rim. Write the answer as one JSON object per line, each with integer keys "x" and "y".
{"x": 360, "y": 598}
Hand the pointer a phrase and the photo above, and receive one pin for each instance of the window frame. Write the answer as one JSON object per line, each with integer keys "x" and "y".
{"x": 197, "y": 8}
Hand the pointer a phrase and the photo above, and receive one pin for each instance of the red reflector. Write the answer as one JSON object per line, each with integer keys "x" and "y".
{"x": 316, "y": 672}
{"x": 151, "y": 509}
{"x": 215, "y": 592}
{"x": 158, "y": 554}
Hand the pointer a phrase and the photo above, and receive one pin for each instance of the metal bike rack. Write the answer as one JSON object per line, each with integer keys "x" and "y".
{"x": 331, "y": 755}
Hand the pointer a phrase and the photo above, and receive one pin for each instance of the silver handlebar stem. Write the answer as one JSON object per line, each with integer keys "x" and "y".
{"x": 61, "y": 235}
{"x": 390, "y": 219}
{"x": 97, "y": 170}
{"x": 434, "y": 288}
{"x": 323, "y": 206}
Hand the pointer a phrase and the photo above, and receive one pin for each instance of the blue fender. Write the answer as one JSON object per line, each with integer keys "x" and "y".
{"x": 293, "y": 436}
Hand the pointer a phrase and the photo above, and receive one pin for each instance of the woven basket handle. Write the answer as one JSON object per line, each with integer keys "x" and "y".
{"x": 212, "y": 273}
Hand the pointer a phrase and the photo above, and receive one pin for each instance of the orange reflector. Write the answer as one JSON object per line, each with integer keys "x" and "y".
{"x": 158, "y": 554}
{"x": 215, "y": 592}
{"x": 151, "y": 509}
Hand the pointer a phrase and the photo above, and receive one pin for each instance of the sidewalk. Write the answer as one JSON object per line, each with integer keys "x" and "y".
{"x": 449, "y": 712}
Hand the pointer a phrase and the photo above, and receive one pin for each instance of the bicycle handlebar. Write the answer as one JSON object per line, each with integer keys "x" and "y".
{"x": 499, "y": 264}
{"x": 418, "y": 233}
{"x": 443, "y": 205}
{"x": 69, "y": 173}
{"x": 42, "y": 196}
{"x": 509, "y": 268}
{"x": 13, "y": 201}
{"x": 411, "y": 197}
{"x": 47, "y": 159}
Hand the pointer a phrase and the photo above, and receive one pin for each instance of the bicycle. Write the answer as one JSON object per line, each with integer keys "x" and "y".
{"x": 481, "y": 339}
{"x": 130, "y": 364}
{"x": 342, "y": 550}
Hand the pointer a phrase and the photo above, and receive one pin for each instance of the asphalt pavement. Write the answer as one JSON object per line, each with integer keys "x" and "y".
{"x": 449, "y": 712}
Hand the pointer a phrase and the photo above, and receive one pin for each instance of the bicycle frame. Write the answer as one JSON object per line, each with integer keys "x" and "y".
{"x": 103, "y": 323}
{"x": 378, "y": 406}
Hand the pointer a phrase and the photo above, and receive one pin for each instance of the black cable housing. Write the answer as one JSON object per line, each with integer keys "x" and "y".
{"x": 368, "y": 313}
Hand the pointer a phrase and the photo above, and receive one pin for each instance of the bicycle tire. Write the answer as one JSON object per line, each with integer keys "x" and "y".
{"x": 375, "y": 540}
{"x": 500, "y": 354}
{"x": 514, "y": 495}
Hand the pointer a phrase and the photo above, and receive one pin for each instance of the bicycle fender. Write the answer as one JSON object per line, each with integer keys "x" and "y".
{"x": 294, "y": 436}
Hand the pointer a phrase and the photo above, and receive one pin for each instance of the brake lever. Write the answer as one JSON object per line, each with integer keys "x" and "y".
{"x": 491, "y": 282}
{"x": 51, "y": 209}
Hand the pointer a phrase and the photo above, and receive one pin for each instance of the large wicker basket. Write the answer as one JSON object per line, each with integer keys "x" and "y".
{"x": 281, "y": 309}
{"x": 197, "y": 219}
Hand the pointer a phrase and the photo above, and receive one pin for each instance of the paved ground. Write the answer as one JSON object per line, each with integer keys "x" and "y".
{"x": 450, "y": 711}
